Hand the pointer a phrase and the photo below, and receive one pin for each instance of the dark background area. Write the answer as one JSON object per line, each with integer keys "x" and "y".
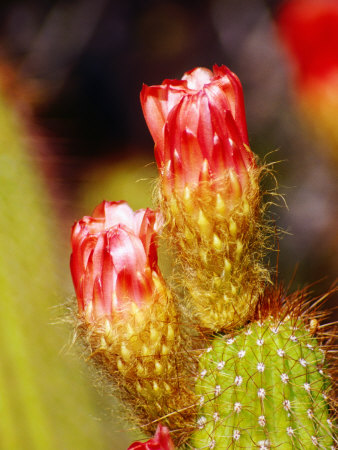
{"x": 89, "y": 59}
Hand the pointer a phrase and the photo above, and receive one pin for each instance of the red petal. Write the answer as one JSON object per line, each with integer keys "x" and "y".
{"x": 114, "y": 213}
{"x": 97, "y": 299}
{"x": 191, "y": 152}
{"x": 108, "y": 283}
{"x": 226, "y": 94}
{"x": 114, "y": 265}
{"x": 205, "y": 120}
{"x": 131, "y": 287}
{"x": 309, "y": 29}
{"x": 126, "y": 249}
{"x": 197, "y": 78}
{"x": 148, "y": 235}
{"x": 156, "y": 103}
{"x": 161, "y": 441}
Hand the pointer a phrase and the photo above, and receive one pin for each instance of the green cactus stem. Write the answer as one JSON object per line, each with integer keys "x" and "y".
{"x": 264, "y": 387}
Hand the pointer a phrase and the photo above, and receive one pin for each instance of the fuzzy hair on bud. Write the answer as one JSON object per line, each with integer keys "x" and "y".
{"x": 209, "y": 193}
{"x": 127, "y": 316}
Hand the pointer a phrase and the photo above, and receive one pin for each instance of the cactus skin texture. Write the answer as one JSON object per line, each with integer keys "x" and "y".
{"x": 264, "y": 387}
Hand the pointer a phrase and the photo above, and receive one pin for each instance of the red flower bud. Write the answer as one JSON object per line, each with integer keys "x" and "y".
{"x": 114, "y": 254}
{"x": 309, "y": 29}
{"x": 161, "y": 441}
{"x": 199, "y": 127}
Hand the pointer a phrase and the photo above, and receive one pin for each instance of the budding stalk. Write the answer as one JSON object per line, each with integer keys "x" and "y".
{"x": 209, "y": 193}
{"x": 127, "y": 315}
{"x": 142, "y": 353}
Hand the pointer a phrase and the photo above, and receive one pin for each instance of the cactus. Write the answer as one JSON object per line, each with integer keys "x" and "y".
{"x": 264, "y": 386}
{"x": 234, "y": 362}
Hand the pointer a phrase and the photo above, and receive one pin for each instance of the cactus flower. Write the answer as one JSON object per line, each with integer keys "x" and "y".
{"x": 309, "y": 28}
{"x": 209, "y": 191}
{"x": 161, "y": 441}
{"x": 309, "y": 32}
{"x": 127, "y": 316}
{"x": 113, "y": 257}
{"x": 199, "y": 127}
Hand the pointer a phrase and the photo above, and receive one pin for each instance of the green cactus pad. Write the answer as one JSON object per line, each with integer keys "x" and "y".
{"x": 265, "y": 387}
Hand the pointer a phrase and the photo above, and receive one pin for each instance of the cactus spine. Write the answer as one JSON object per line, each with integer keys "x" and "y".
{"x": 264, "y": 387}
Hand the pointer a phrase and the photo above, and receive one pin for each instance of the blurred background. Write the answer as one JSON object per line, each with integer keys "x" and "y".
{"x": 72, "y": 133}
